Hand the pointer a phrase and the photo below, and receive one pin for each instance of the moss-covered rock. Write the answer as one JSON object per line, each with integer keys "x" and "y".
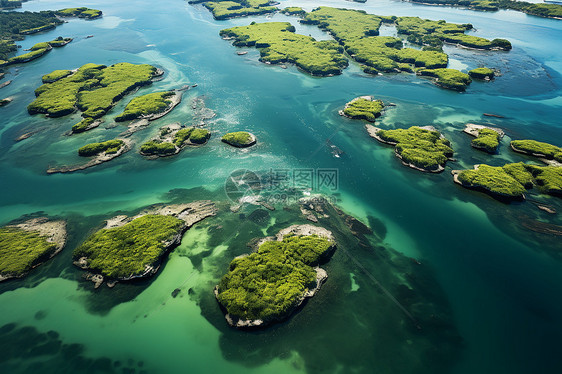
{"x": 240, "y": 139}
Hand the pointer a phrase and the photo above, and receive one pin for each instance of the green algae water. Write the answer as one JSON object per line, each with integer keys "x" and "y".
{"x": 484, "y": 288}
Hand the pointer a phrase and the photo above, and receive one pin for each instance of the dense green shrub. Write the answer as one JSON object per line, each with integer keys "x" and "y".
{"x": 152, "y": 103}
{"x": 268, "y": 284}
{"x": 154, "y": 147}
{"x": 362, "y": 108}
{"x": 481, "y": 73}
{"x": 549, "y": 151}
{"x": 422, "y": 148}
{"x": 128, "y": 250}
{"x": 492, "y": 179}
{"x": 81, "y": 12}
{"x": 108, "y": 147}
{"x": 55, "y": 76}
{"x": 238, "y": 139}
{"x": 547, "y": 178}
{"x": 487, "y": 139}
{"x": 20, "y": 250}
{"x": 448, "y": 78}
{"x": 199, "y": 136}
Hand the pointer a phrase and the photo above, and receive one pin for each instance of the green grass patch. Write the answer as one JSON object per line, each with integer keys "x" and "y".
{"x": 20, "y": 250}
{"x": 108, "y": 147}
{"x": 238, "y": 139}
{"x": 55, "y": 76}
{"x": 146, "y": 105}
{"x": 547, "y": 150}
{"x": 493, "y": 179}
{"x": 270, "y": 283}
{"x": 422, "y": 148}
{"x": 154, "y": 147}
{"x": 362, "y": 108}
{"x": 128, "y": 250}
{"x": 487, "y": 139}
{"x": 82, "y": 125}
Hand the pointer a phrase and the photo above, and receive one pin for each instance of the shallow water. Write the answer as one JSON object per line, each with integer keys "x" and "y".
{"x": 495, "y": 281}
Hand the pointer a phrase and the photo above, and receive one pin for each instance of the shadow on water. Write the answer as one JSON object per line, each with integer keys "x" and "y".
{"x": 23, "y": 349}
{"x": 355, "y": 323}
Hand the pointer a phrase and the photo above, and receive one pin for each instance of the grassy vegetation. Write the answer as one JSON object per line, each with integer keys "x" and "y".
{"x": 547, "y": 178}
{"x": 199, "y": 136}
{"x": 481, "y": 73}
{"x": 20, "y": 250}
{"x": 82, "y": 125}
{"x": 145, "y": 105}
{"x": 93, "y": 89}
{"x": 448, "y": 78}
{"x": 549, "y": 151}
{"x": 278, "y": 43}
{"x": 487, "y": 139}
{"x": 495, "y": 180}
{"x": 537, "y": 9}
{"x": 108, "y": 147}
{"x": 154, "y": 147}
{"x": 81, "y": 12}
{"x": 238, "y": 139}
{"x": 126, "y": 251}
{"x": 270, "y": 283}
{"x": 519, "y": 171}
{"x": 362, "y": 108}
{"x": 294, "y": 11}
{"x": 230, "y": 9}
{"x": 422, "y": 148}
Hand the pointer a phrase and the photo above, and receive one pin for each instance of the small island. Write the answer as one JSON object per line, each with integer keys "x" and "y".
{"x": 548, "y": 153}
{"x": 81, "y": 12}
{"x": 99, "y": 153}
{"x": 363, "y": 107}
{"x": 487, "y": 138}
{"x": 510, "y": 182}
{"x": 420, "y": 148}
{"x": 268, "y": 285}
{"x": 484, "y": 74}
{"x": 172, "y": 139}
{"x": 240, "y": 8}
{"x": 27, "y": 245}
{"x": 92, "y": 89}
{"x": 294, "y": 11}
{"x": 38, "y": 50}
{"x": 134, "y": 247}
{"x": 150, "y": 106}
{"x": 447, "y": 78}
{"x": 239, "y": 139}
{"x": 5, "y": 101}
{"x": 278, "y": 43}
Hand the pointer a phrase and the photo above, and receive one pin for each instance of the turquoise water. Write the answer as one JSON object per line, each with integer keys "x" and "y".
{"x": 495, "y": 281}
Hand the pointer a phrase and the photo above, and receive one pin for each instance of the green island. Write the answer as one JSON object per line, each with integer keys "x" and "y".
{"x": 15, "y": 26}
{"x": 126, "y": 251}
{"x": 538, "y": 149}
{"x": 482, "y": 73}
{"x": 84, "y": 125}
{"x": 239, "y": 139}
{"x": 278, "y": 43}
{"x": 535, "y": 9}
{"x": 486, "y": 138}
{"x": 93, "y": 89}
{"x": 271, "y": 283}
{"x": 29, "y": 244}
{"x": 448, "y": 78}
{"x": 133, "y": 247}
{"x": 294, "y": 11}
{"x": 108, "y": 147}
{"x": 421, "y": 148}
{"x": 172, "y": 139}
{"x": 11, "y": 4}
{"x": 363, "y": 107}
{"x": 146, "y": 105}
{"x": 81, "y": 12}
{"x": 231, "y": 9}
{"x": 358, "y": 32}
{"x": 512, "y": 180}
{"x": 38, "y": 50}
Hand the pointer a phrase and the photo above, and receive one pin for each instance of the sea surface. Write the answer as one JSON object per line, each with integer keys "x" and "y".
{"x": 491, "y": 285}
